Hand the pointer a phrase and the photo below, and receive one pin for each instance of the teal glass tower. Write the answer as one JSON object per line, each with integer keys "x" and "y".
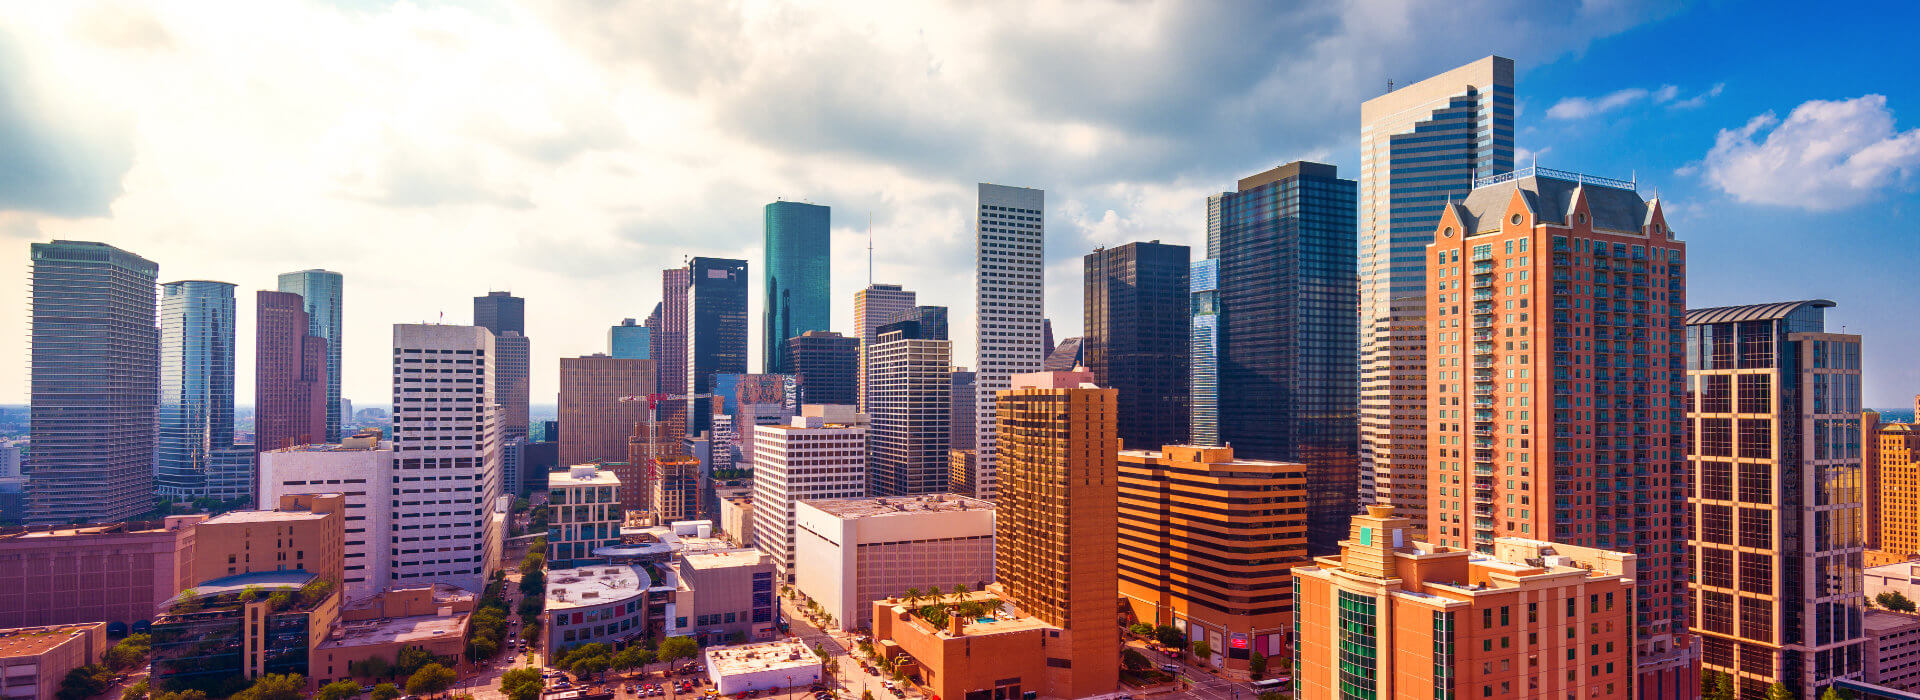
{"x": 322, "y": 291}
{"x": 196, "y": 384}
{"x": 799, "y": 248}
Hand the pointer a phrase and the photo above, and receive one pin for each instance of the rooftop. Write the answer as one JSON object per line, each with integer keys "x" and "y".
{"x": 1883, "y": 621}
{"x": 856, "y": 508}
{"x": 265, "y": 516}
{"x": 387, "y": 630}
{"x": 754, "y": 658}
{"x": 1550, "y": 194}
{"x": 33, "y": 641}
{"x": 443, "y": 594}
{"x": 582, "y": 475}
{"x": 333, "y": 447}
{"x": 1753, "y": 312}
{"x": 728, "y": 559}
{"x": 265, "y": 580}
{"x": 594, "y": 585}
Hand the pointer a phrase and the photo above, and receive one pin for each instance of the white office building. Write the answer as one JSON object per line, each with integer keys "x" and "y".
{"x": 359, "y": 467}
{"x": 448, "y": 511}
{"x": 821, "y": 453}
{"x": 851, "y": 552}
{"x": 1010, "y": 299}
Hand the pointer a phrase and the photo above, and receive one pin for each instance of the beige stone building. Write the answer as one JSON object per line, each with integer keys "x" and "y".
{"x": 307, "y": 532}
{"x": 33, "y": 660}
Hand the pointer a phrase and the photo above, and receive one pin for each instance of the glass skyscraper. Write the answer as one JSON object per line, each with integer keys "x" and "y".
{"x": 196, "y": 384}
{"x": 1204, "y": 352}
{"x": 1136, "y": 340}
{"x": 323, "y": 292}
{"x": 798, "y": 253}
{"x": 716, "y": 330}
{"x": 630, "y": 341}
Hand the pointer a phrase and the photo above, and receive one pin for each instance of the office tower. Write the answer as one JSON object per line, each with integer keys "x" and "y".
{"x": 1420, "y": 147}
{"x": 827, "y": 365}
{"x": 1399, "y": 474}
{"x": 513, "y": 458}
{"x": 1285, "y": 360}
{"x": 1056, "y": 515}
{"x": 1554, "y": 337}
{"x": 587, "y": 516}
{"x": 1065, "y": 357}
{"x": 716, "y": 331}
{"x": 851, "y": 552}
{"x": 910, "y": 412}
{"x": 1046, "y": 337}
{"x": 1203, "y": 346}
{"x": 94, "y": 386}
{"x": 323, "y": 292}
{"x": 930, "y": 322}
{"x": 289, "y": 375}
{"x": 1870, "y": 483}
{"x": 670, "y": 346}
{"x": 298, "y": 532}
{"x": 505, "y": 315}
{"x": 960, "y": 467}
{"x": 1394, "y": 617}
{"x": 500, "y": 312}
{"x": 1208, "y": 543}
{"x": 447, "y": 518}
{"x": 1009, "y": 294}
{"x": 872, "y": 307}
{"x": 597, "y": 422}
{"x": 196, "y": 385}
{"x": 799, "y": 254}
{"x": 1137, "y": 327}
{"x": 1775, "y": 410}
{"x": 819, "y": 454}
{"x": 1898, "y": 448}
{"x": 630, "y": 342}
{"x": 961, "y": 420}
{"x": 675, "y": 480}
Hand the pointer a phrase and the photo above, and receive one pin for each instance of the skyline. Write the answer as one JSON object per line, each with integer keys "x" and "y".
{"x": 575, "y": 193}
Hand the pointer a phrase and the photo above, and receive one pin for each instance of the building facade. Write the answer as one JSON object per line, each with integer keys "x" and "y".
{"x": 1009, "y": 295}
{"x": 670, "y": 345}
{"x": 196, "y": 386}
{"x": 323, "y": 291}
{"x": 852, "y": 552}
{"x": 716, "y": 331}
{"x": 505, "y": 315}
{"x": 586, "y": 515}
{"x": 361, "y": 469}
{"x": 1138, "y": 323}
{"x": 597, "y": 604}
{"x": 873, "y": 307}
{"x": 1892, "y": 650}
{"x": 724, "y": 597}
{"x": 799, "y": 259}
{"x": 675, "y": 480}
{"x": 909, "y": 407}
{"x": 305, "y": 532}
{"x": 1203, "y": 347}
{"x": 597, "y": 423}
{"x": 289, "y": 375}
{"x": 828, "y": 365}
{"x": 34, "y": 660}
{"x": 960, "y": 420}
{"x": 447, "y": 514}
{"x": 1897, "y": 453}
{"x": 628, "y": 341}
{"x": 819, "y": 454}
{"x": 123, "y": 571}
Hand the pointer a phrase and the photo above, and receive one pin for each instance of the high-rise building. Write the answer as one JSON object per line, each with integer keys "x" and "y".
{"x": 630, "y": 342}
{"x": 827, "y": 364}
{"x": 1208, "y": 543}
{"x": 1285, "y": 359}
{"x": 289, "y": 375}
{"x": 500, "y": 312}
{"x": 1055, "y": 529}
{"x": 670, "y": 346}
{"x": 716, "y": 331}
{"x": 819, "y": 454}
{"x": 1420, "y": 147}
{"x": 799, "y": 256}
{"x": 1137, "y": 326}
{"x": 1898, "y": 450}
{"x": 1009, "y": 294}
{"x": 1578, "y": 279}
{"x": 910, "y": 411}
{"x": 1203, "y": 347}
{"x": 961, "y": 419}
{"x": 323, "y": 292}
{"x": 1775, "y": 411}
{"x": 675, "y": 480}
{"x": 930, "y": 322}
{"x": 361, "y": 468}
{"x": 851, "y": 552}
{"x": 505, "y": 315}
{"x": 873, "y": 307}
{"x": 446, "y": 427}
{"x": 587, "y": 515}
{"x": 196, "y": 385}
{"x": 1064, "y": 357}
{"x": 1394, "y": 617}
{"x": 1398, "y": 476}
{"x": 1870, "y": 482}
{"x": 597, "y": 422}
{"x": 95, "y": 385}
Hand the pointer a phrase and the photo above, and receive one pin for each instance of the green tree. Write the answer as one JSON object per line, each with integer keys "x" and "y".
{"x": 521, "y": 684}
{"x": 273, "y": 686}
{"x": 1257, "y": 666}
{"x": 1141, "y": 630}
{"x": 189, "y": 694}
{"x": 384, "y": 691}
{"x": 137, "y": 691}
{"x": 587, "y": 667}
{"x": 631, "y": 658}
{"x": 1133, "y": 660}
{"x": 431, "y": 679}
{"x": 1706, "y": 684}
{"x": 959, "y": 591}
{"x": 374, "y": 667}
{"x": 1778, "y": 691}
{"x": 1895, "y": 601}
{"x": 188, "y": 602}
{"x": 1168, "y": 636}
{"x": 411, "y": 660}
{"x": 130, "y": 652}
{"x": 1832, "y": 693}
{"x": 85, "y": 682}
{"x": 1723, "y": 687}
{"x": 534, "y": 563}
{"x": 913, "y": 594}
{"x": 337, "y": 690}
{"x": 1202, "y": 650}
{"x": 678, "y": 648}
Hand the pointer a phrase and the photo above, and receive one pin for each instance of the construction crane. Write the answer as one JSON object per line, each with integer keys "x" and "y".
{"x": 653, "y": 422}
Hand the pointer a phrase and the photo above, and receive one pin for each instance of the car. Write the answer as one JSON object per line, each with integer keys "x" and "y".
{"x": 1170, "y": 668}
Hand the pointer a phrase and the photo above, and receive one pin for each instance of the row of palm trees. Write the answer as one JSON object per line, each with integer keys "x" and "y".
{"x": 932, "y": 595}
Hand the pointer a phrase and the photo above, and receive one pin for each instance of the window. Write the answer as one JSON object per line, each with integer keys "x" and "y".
{"x": 1717, "y": 394}
{"x": 1756, "y": 619}
{"x": 1716, "y": 612}
{"x": 1716, "y": 437}
{"x": 1756, "y": 393}
{"x": 1716, "y": 481}
{"x": 1756, "y": 573}
{"x": 1756, "y": 528}
{"x": 1756, "y": 438}
{"x": 1716, "y": 524}
{"x": 1756, "y": 483}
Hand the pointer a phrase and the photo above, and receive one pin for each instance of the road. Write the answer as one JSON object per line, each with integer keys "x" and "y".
{"x": 852, "y": 680}
{"x": 1201, "y": 685}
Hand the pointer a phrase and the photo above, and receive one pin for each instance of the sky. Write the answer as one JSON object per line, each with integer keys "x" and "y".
{"x": 568, "y": 150}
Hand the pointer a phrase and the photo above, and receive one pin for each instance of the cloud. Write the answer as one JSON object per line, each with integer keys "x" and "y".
{"x": 1573, "y": 108}
{"x": 63, "y": 151}
{"x": 1826, "y": 155}
{"x": 1700, "y": 99}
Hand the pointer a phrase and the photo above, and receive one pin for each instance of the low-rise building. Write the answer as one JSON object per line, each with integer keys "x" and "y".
{"x": 1893, "y": 650}
{"x": 782, "y": 664}
{"x": 359, "y": 467}
{"x": 723, "y": 597}
{"x": 1899, "y": 577}
{"x": 433, "y": 617}
{"x": 606, "y": 604}
{"x": 850, "y": 552}
{"x": 306, "y": 533}
{"x": 585, "y": 515}
{"x": 736, "y": 519}
{"x": 975, "y": 646}
{"x": 676, "y": 487}
{"x": 33, "y": 660}
{"x": 114, "y": 573}
{"x": 220, "y": 633}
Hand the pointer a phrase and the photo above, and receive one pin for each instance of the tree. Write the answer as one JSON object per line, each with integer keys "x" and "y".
{"x": 130, "y": 652}
{"x": 866, "y": 695}
{"x": 521, "y": 684}
{"x": 1202, "y": 649}
{"x": 482, "y": 648}
{"x": 1133, "y": 660}
{"x": 959, "y": 591}
{"x": 1895, "y": 601}
{"x": 373, "y": 667}
{"x": 1833, "y": 693}
{"x": 273, "y": 686}
{"x": 1141, "y": 630}
{"x": 1723, "y": 687}
{"x": 137, "y": 691}
{"x": 1168, "y": 636}
{"x": 384, "y": 691}
{"x": 189, "y": 694}
{"x": 431, "y": 679}
{"x": 85, "y": 682}
{"x": 534, "y": 563}
{"x": 1706, "y": 684}
{"x": 631, "y": 658}
{"x": 1778, "y": 691}
{"x": 586, "y": 667}
{"x": 1257, "y": 666}
{"x": 337, "y": 690}
{"x": 913, "y": 594}
{"x": 678, "y": 648}
{"x": 411, "y": 660}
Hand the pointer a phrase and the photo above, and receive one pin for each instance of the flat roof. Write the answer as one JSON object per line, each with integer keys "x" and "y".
{"x": 266, "y": 516}
{"x": 333, "y": 447}
{"x": 856, "y": 508}
{"x": 602, "y": 476}
{"x": 1886, "y": 620}
{"x": 388, "y": 630}
{"x": 722, "y": 560}
{"x": 34, "y": 641}
{"x": 290, "y": 579}
{"x": 755, "y": 658}
{"x": 443, "y": 593}
{"x": 588, "y": 586}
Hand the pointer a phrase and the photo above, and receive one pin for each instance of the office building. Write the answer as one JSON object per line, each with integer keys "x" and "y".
{"x": 1137, "y": 325}
{"x": 289, "y": 375}
{"x": 34, "y": 660}
{"x": 827, "y": 364}
{"x": 323, "y": 291}
{"x": 1009, "y": 294}
{"x": 961, "y": 420}
{"x": 597, "y": 604}
{"x": 1203, "y": 348}
{"x": 505, "y": 315}
{"x": 500, "y": 312}
{"x": 230, "y": 630}
{"x": 761, "y": 399}
{"x": 1398, "y": 476}
{"x": 586, "y": 515}
{"x": 130, "y": 568}
{"x": 787, "y": 663}
{"x": 1065, "y": 357}
{"x": 432, "y": 617}
{"x": 597, "y": 422}
{"x": 306, "y": 532}
{"x": 908, "y": 441}
{"x": 94, "y": 388}
{"x": 360, "y": 468}
{"x": 447, "y": 515}
{"x": 799, "y": 257}
{"x": 960, "y": 467}
{"x": 852, "y": 552}
{"x": 670, "y": 346}
{"x": 1046, "y": 337}
{"x": 821, "y": 453}
{"x": 1897, "y": 451}
{"x": 1394, "y": 617}
{"x": 1208, "y": 543}
{"x": 1421, "y": 145}
{"x": 716, "y": 331}
{"x": 1870, "y": 482}
{"x": 874, "y": 306}
{"x": 196, "y": 385}
{"x": 723, "y": 596}
{"x": 1564, "y": 274}
{"x": 630, "y": 342}
{"x": 1775, "y": 411}
{"x": 675, "y": 480}
{"x": 1892, "y": 650}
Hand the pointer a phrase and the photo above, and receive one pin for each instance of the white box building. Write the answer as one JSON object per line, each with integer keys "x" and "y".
{"x": 359, "y": 467}
{"x": 1009, "y": 294}
{"x": 821, "y": 453}
{"x": 448, "y": 509}
{"x": 852, "y": 552}
{"x": 782, "y": 664}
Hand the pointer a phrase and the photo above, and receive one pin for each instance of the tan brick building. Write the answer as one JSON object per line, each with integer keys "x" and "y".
{"x": 33, "y": 660}
{"x": 307, "y": 533}
{"x": 114, "y": 573}
{"x": 594, "y": 423}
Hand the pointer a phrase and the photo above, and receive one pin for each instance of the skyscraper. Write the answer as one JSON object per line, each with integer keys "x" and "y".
{"x": 196, "y": 385}
{"x": 874, "y": 306}
{"x": 1137, "y": 327}
{"x": 505, "y": 315}
{"x": 597, "y": 422}
{"x": 323, "y": 292}
{"x": 1420, "y": 147}
{"x": 818, "y": 455}
{"x": 1203, "y": 347}
{"x": 1285, "y": 358}
{"x": 964, "y": 403}
{"x": 94, "y": 385}
{"x": 826, "y": 363}
{"x": 1064, "y": 357}
{"x": 670, "y": 346}
{"x": 1776, "y": 409}
{"x": 1897, "y": 453}
{"x": 1009, "y": 295}
{"x": 500, "y": 312}
{"x": 289, "y": 375}
{"x": 1578, "y": 279}
{"x": 799, "y": 252}
{"x": 628, "y": 341}
{"x": 445, "y": 424}
{"x": 716, "y": 330}
{"x": 909, "y": 437}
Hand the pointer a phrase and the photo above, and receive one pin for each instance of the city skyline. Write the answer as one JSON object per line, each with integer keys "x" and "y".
{"x": 1693, "y": 131}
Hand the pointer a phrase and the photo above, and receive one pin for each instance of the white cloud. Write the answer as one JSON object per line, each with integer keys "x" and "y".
{"x": 1700, "y": 99}
{"x": 1583, "y": 107}
{"x": 1827, "y": 154}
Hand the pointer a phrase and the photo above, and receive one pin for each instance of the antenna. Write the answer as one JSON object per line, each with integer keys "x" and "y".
{"x": 869, "y": 249}
{"x": 1389, "y": 85}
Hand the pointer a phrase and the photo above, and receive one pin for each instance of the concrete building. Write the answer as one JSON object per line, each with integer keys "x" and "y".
{"x": 1774, "y": 412}
{"x": 448, "y": 512}
{"x": 359, "y": 468}
{"x": 873, "y": 307}
{"x": 1393, "y": 617}
{"x": 322, "y": 292}
{"x": 114, "y": 573}
{"x": 1009, "y": 294}
{"x": 852, "y": 552}
{"x": 227, "y": 631}
{"x": 596, "y": 422}
{"x": 960, "y": 470}
{"x": 1137, "y": 325}
{"x": 586, "y": 515}
{"x": 999, "y": 654}
{"x": 1901, "y": 577}
{"x": 799, "y": 260}
{"x": 1398, "y": 474}
{"x": 1897, "y": 453}
{"x": 306, "y": 533}
{"x": 433, "y": 617}
{"x": 675, "y": 480}
{"x": 722, "y": 597}
{"x": 605, "y": 604}
{"x": 828, "y": 365}
{"x": 821, "y": 453}
{"x": 628, "y": 341}
{"x": 1208, "y": 543}
{"x": 34, "y": 660}
{"x": 909, "y": 402}
{"x": 736, "y": 518}
{"x": 196, "y": 387}
{"x": 1892, "y": 650}
{"x": 963, "y": 401}
{"x": 669, "y": 343}
{"x": 766, "y": 666}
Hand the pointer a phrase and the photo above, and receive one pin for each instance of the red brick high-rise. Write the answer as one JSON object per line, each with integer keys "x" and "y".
{"x": 290, "y": 375}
